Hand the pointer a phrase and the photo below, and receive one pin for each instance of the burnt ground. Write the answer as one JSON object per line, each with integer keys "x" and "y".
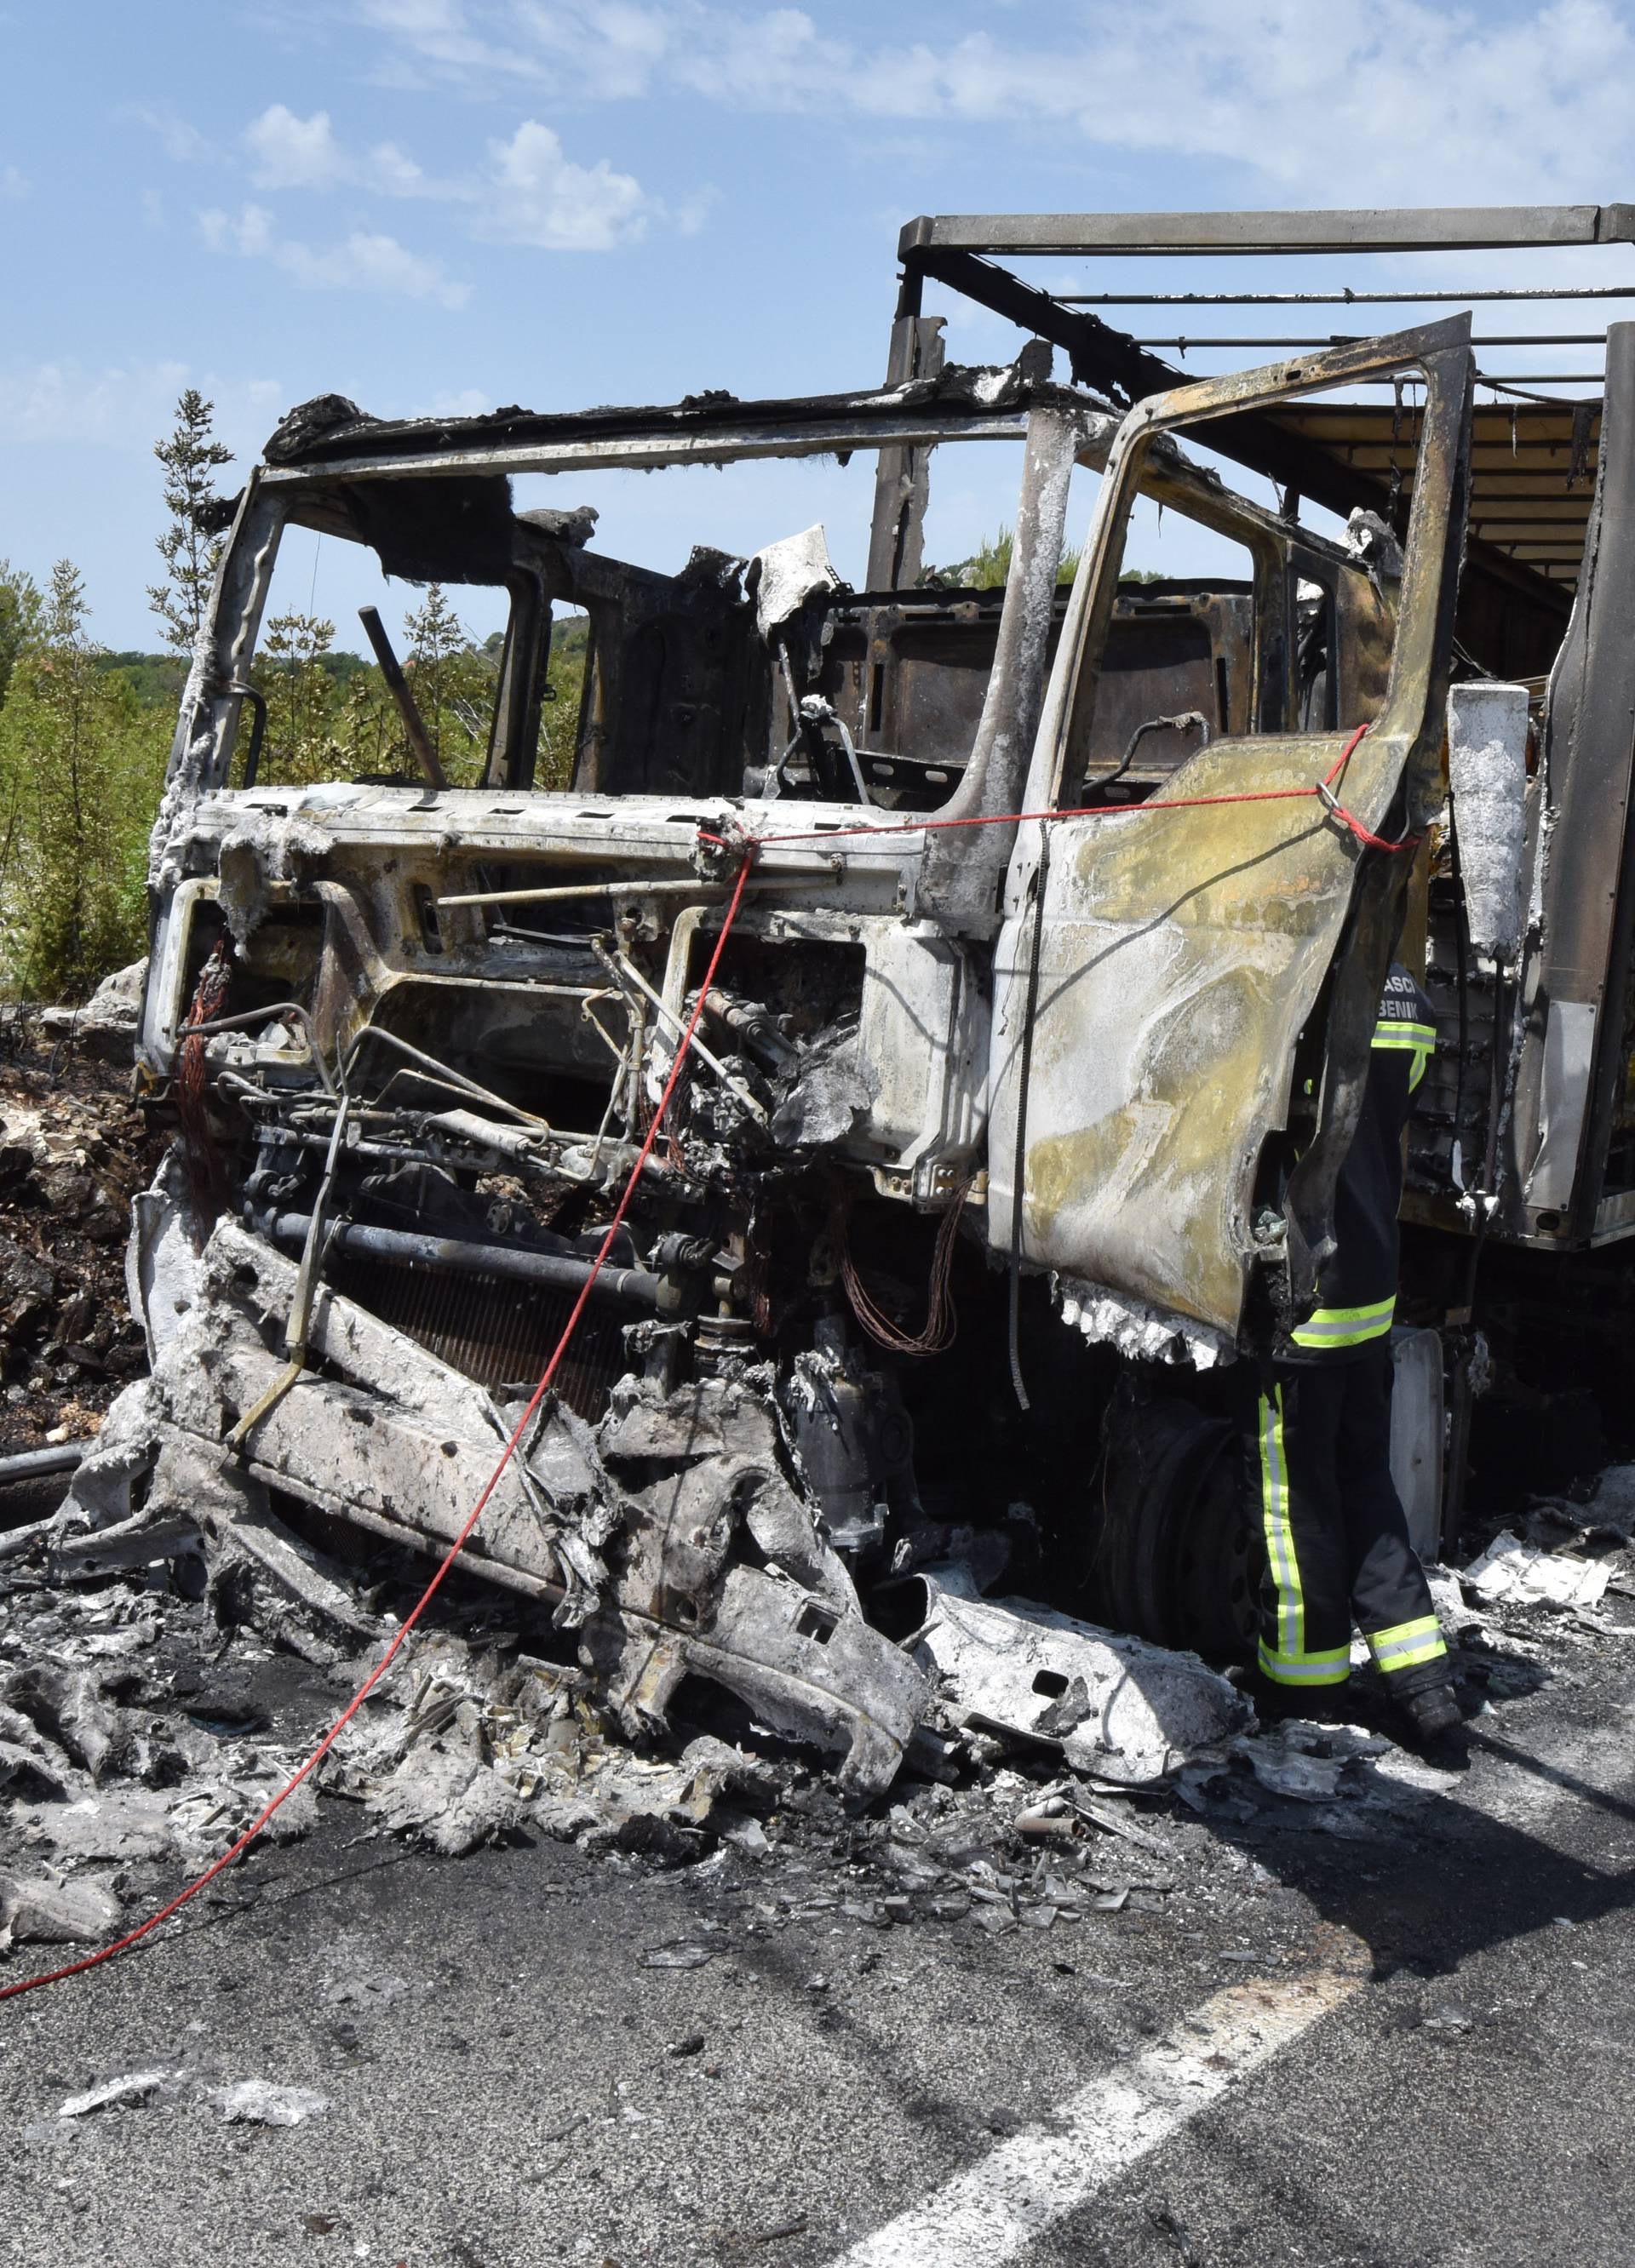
{"x": 74, "y": 1150}
{"x": 543, "y": 2054}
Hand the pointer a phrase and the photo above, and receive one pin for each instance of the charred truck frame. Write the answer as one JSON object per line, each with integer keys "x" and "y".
{"x": 1083, "y": 1081}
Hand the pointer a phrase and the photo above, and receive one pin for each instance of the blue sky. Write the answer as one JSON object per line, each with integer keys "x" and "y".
{"x": 433, "y": 204}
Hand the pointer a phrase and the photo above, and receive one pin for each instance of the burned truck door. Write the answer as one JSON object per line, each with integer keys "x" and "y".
{"x": 1156, "y": 969}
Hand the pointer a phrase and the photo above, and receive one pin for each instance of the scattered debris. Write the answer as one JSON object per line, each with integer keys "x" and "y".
{"x": 130, "y": 2088}
{"x": 104, "y": 1028}
{"x": 246, "y": 2101}
{"x": 41, "y": 1912}
{"x": 260, "y": 2102}
{"x": 1115, "y": 1706}
{"x": 1447, "y": 2016}
{"x": 74, "y": 1150}
{"x": 1511, "y": 1572}
{"x": 1308, "y": 1761}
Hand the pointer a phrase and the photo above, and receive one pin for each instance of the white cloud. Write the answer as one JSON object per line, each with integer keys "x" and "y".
{"x": 127, "y": 405}
{"x": 249, "y": 236}
{"x": 371, "y": 262}
{"x": 287, "y": 152}
{"x": 15, "y": 183}
{"x": 178, "y": 139}
{"x": 423, "y": 19}
{"x": 396, "y": 174}
{"x": 467, "y": 401}
{"x": 610, "y": 50}
{"x": 528, "y": 191}
{"x": 437, "y": 32}
{"x": 61, "y": 401}
{"x": 688, "y": 218}
{"x": 364, "y": 260}
{"x": 1397, "y": 100}
{"x": 539, "y": 197}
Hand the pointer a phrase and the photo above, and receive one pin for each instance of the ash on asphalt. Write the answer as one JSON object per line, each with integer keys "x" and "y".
{"x": 537, "y": 2055}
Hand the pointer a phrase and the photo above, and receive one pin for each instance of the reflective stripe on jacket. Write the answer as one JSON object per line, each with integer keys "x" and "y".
{"x": 1357, "y": 1291}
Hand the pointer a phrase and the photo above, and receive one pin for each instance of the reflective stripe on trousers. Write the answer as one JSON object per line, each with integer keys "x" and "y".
{"x": 1290, "y": 1664}
{"x": 1406, "y": 1645}
{"x": 1346, "y": 1327}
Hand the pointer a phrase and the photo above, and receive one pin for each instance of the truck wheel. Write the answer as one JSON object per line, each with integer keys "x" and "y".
{"x": 1177, "y": 1559}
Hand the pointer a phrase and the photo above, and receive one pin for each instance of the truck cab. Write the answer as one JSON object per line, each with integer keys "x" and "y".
{"x": 1058, "y": 913}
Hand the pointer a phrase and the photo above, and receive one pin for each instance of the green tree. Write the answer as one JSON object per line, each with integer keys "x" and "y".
{"x": 190, "y": 454}
{"x": 990, "y": 564}
{"x": 454, "y": 683}
{"x": 559, "y": 712}
{"x": 81, "y": 768}
{"x": 20, "y": 620}
{"x": 301, "y": 700}
{"x": 369, "y": 734}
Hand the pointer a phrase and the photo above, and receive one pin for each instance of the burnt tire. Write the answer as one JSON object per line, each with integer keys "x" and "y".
{"x": 1177, "y": 1557}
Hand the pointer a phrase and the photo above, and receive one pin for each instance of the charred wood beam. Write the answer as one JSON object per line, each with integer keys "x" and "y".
{"x": 1108, "y": 360}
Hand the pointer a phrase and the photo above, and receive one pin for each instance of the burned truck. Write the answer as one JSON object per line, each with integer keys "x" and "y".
{"x": 1011, "y": 1114}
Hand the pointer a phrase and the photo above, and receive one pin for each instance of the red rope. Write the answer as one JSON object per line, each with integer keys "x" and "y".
{"x": 135, "y": 1936}
{"x": 1319, "y": 789}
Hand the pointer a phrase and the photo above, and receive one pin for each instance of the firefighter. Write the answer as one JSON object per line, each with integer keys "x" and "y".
{"x": 1338, "y": 1549}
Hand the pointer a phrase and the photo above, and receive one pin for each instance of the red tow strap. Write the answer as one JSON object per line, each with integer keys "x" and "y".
{"x": 1321, "y": 790}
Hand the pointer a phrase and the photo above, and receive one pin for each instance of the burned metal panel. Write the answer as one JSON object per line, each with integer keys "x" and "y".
{"x": 902, "y": 482}
{"x": 1403, "y": 228}
{"x": 1506, "y": 595}
{"x": 962, "y": 868}
{"x": 912, "y": 674}
{"x": 958, "y": 403}
{"x": 1588, "y": 845}
{"x": 1165, "y": 964}
{"x": 676, "y": 683}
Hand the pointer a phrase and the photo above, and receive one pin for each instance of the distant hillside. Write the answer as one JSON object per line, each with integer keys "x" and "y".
{"x": 157, "y": 679}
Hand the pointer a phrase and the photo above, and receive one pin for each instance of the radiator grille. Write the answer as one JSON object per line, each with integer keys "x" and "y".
{"x": 495, "y": 1330}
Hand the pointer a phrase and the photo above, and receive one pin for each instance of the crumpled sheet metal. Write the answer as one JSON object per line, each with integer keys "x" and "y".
{"x": 1115, "y": 1707}
{"x": 633, "y": 1536}
{"x": 390, "y": 1435}
{"x": 458, "y": 1746}
{"x": 789, "y": 1639}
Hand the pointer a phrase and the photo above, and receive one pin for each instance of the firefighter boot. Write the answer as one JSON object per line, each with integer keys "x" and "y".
{"x": 1438, "y": 1730}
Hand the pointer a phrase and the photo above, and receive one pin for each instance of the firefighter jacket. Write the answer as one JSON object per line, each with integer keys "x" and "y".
{"x": 1356, "y": 1291}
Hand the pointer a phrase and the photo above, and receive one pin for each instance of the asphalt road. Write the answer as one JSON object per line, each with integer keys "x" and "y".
{"x": 1411, "y": 2049}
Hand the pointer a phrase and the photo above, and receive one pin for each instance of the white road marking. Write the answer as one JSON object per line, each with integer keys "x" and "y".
{"x": 995, "y": 2209}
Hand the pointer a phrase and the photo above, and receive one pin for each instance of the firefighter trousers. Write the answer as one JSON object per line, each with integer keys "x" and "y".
{"x": 1336, "y": 1534}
